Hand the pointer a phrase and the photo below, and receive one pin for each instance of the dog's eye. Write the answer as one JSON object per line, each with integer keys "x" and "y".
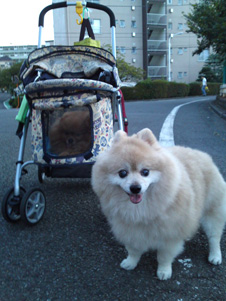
{"x": 123, "y": 173}
{"x": 144, "y": 172}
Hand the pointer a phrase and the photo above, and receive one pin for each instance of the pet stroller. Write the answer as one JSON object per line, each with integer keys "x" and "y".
{"x": 73, "y": 103}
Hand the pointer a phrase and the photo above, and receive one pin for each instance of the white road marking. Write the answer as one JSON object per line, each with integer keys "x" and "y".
{"x": 166, "y": 136}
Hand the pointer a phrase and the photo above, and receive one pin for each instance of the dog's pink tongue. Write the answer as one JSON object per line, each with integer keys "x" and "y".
{"x": 135, "y": 198}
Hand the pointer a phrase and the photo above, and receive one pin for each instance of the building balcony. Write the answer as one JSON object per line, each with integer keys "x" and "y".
{"x": 157, "y": 45}
{"x": 157, "y": 71}
{"x": 156, "y": 19}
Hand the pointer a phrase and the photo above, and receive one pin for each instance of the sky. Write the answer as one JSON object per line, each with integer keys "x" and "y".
{"x": 19, "y": 22}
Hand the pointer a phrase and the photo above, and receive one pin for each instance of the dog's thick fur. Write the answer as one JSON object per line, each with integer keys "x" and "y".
{"x": 71, "y": 134}
{"x": 155, "y": 198}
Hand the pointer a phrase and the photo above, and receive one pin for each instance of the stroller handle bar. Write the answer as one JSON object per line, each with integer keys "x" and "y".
{"x": 87, "y": 4}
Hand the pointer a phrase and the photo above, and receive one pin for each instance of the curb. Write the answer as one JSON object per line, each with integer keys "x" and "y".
{"x": 218, "y": 110}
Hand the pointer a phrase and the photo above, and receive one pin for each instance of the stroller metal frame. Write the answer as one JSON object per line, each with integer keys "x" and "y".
{"x": 12, "y": 207}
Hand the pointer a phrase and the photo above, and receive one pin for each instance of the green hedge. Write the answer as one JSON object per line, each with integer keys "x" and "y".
{"x": 214, "y": 88}
{"x": 177, "y": 89}
{"x": 148, "y": 89}
{"x": 195, "y": 88}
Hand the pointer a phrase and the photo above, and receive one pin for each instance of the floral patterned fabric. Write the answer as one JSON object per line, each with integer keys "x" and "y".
{"x": 88, "y": 50}
{"x": 70, "y": 61}
{"x": 68, "y": 83}
{"x": 102, "y": 134}
{"x": 64, "y": 87}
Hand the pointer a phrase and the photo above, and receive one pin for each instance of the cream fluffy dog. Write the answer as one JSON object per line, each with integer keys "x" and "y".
{"x": 155, "y": 198}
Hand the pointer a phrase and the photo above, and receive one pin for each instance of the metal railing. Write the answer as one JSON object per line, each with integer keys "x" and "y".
{"x": 156, "y": 19}
{"x": 157, "y": 45}
{"x": 157, "y": 71}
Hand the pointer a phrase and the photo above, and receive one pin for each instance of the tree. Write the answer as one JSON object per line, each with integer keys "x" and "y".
{"x": 207, "y": 21}
{"x": 6, "y": 76}
{"x": 208, "y": 73}
{"x": 126, "y": 71}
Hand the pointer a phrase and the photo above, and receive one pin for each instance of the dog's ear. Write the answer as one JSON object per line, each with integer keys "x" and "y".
{"x": 119, "y": 135}
{"x": 147, "y": 136}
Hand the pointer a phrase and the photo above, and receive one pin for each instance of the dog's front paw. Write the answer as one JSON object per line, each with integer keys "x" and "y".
{"x": 215, "y": 258}
{"x": 129, "y": 263}
{"x": 164, "y": 273}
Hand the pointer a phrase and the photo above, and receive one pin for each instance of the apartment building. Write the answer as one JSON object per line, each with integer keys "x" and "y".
{"x": 184, "y": 67}
{"x": 16, "y": 53}
{"x": 5, "y": 62}
{"x": 151, "y": 34}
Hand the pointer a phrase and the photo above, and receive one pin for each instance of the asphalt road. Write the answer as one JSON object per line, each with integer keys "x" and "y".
{"x": 3, "y": 97}
{"x": 72, "y": 255}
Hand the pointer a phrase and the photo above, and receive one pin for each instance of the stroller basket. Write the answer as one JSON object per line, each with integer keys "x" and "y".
{"x": 63, "y": 121}
{"x": 67, "y": 110}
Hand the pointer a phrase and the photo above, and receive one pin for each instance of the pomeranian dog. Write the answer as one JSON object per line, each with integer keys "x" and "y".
{"x": 71, "y": 134}
{"x": 155, "y": 198}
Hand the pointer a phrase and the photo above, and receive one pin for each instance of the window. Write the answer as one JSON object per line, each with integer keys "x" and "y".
{"x": 185, "y": 74}
{"x": 180, "y": 75}
{"x": 133, "y": 24}
{"x": 123, "y": 50}
{"x": 134, "y": 50}
{"x": 122, "y": 23}
{"x": 180, "y": 51}
{"x": 179, "y": 2}
{"x": 185, "y": 49}
{"x": 180, "y": 26}
{"x": 170, "y": 2}
{"x": 170, "y": 25}
{"x": 95, "y": 25}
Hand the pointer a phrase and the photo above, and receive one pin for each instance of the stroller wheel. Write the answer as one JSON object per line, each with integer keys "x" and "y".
{"x": 32, "y": 206}
{"x": 11, "y": 205}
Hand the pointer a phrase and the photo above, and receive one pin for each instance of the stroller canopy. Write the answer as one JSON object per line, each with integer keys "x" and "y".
{"x": 84, "y": 62}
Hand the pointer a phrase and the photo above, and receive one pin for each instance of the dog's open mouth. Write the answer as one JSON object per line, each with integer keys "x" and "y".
{"x": 135, "y": 198}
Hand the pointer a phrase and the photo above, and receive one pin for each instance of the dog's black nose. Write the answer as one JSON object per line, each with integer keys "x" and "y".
{"x": 135, "y": 188}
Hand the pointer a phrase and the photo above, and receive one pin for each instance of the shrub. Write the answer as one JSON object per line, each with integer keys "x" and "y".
{"x": 195, "y": 89}
{"x": 130, "y": 93}
{"x": 214, "y": 88}
{"x": 152, "y": 89}
{"x": 177, "y": 89}
{"x": 148, "y": 89}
